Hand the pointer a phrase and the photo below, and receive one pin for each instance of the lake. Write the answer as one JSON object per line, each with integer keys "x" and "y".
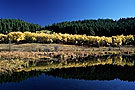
{"x": 85, "y": 75}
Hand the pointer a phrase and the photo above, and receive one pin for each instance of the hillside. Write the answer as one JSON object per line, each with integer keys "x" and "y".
{"x": 10, "y": 25}
{"x": 100, "y": 27}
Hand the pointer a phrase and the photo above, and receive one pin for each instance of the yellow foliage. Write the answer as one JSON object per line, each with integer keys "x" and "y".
{"x": 3, "y": 37}
{"x": 67, "y": 38}
{"x": 16, "y": 36}
{"x": 29, "y": 37}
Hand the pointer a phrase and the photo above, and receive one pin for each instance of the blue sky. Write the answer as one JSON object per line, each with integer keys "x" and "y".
{"x": 46, "y": 12}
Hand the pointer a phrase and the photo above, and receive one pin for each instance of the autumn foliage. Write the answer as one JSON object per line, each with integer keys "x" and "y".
{"x": 67, "y": 39}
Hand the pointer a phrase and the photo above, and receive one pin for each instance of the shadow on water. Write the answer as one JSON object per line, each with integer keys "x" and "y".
{"x": 19, "y": 76}
{"x": 101, "y": 68}
{"x": 99, "y": 72}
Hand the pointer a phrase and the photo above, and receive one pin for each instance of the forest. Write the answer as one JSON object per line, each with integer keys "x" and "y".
{"x": 12, "y": 25}
{"x": 100, "y": 27}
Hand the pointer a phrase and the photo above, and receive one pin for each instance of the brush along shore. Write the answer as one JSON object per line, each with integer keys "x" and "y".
{"x": 36, "y": 51}
{"x": 17, "y": 56}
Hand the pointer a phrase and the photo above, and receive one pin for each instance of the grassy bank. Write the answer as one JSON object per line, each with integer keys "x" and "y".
{"x": 10, "y": 66}
{"x": 37, "y": 51}
{"x": 17, "y": 56}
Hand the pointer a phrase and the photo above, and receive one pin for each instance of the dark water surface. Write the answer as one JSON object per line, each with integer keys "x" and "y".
{"x": 108, "y": 73}
{"x": 101, "y": 77}
{"x": 44, "y": 82}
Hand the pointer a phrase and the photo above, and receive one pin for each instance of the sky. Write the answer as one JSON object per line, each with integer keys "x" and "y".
{"x": 47, "y": 12}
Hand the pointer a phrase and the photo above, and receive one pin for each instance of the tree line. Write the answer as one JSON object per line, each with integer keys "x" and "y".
{"x": 100, "y": 27}
{"x": 10, "y": 25}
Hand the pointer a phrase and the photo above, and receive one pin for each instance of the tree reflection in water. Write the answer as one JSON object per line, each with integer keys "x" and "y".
{"x": 101, "y": 68}
{"x": 99, "y": 72}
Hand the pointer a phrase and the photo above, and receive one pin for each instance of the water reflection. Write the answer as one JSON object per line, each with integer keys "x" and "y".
{"x": 19, "y": 76}
{"x": 90, "y": 61}
{"x": 99, "y": 72}
{"x": 92, "y": 68}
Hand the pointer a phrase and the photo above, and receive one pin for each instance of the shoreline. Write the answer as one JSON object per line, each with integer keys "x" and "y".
{"x": 37, "y": 51}
{"x": 20, "y": 55}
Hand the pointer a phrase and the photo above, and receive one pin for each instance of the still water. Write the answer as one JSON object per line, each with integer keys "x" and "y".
{"x": 103, "y": 77}
{"x": 104, "y": 73}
